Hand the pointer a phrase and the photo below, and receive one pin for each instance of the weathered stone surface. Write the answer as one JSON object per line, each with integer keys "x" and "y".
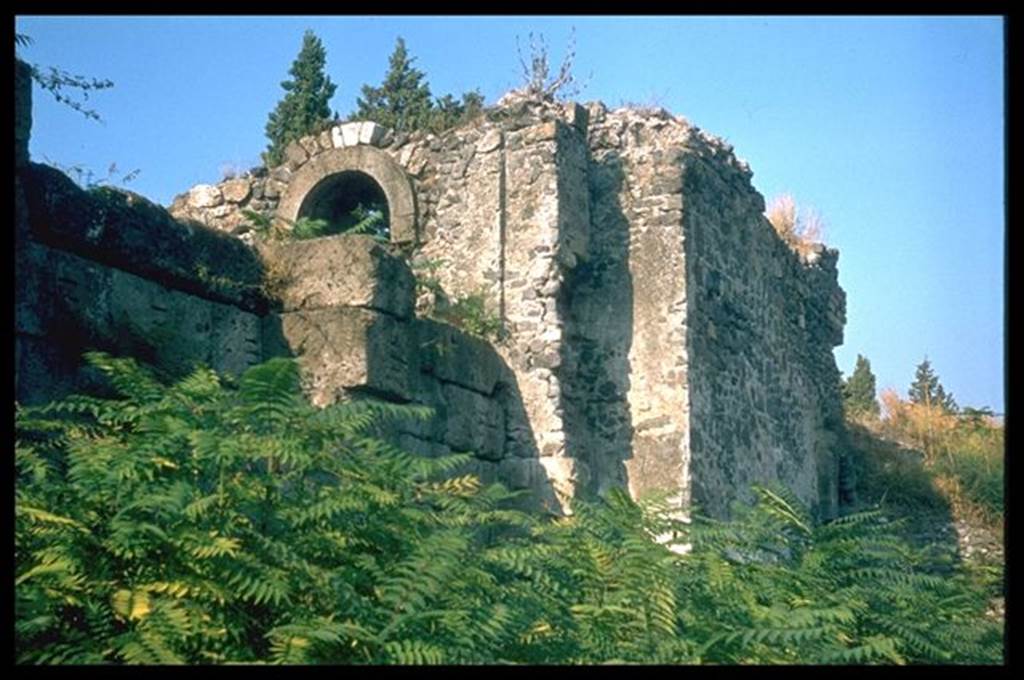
{"x": 272, "y": 189}
{"x": 454, "y": 357}
{"x": 350, "y": 133}
{"x": 490, "y": 141}
{"x": 126, "y": 231}
{"x": 236, "y": 190}
{"x": 473, "y": 422}
{"x": 345, "y": 349}
{"x": 426, "y": 447}
{"x": 347, "y": 270}
{"x": 89, "y": 305}
{"x": 324, "y": 141}
{"x": 540, "y": 133}
{"x": 204, "y": 196}
{"x": 295, "y": 154}
{"x": 370, "y": 133}
{"x": 522, "y": 473}
{"x": 309, "y": 144}
{"x": 337, "y": 139}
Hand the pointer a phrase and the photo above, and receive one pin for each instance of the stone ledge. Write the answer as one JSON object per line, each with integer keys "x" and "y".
{"x": 125, "y": 231}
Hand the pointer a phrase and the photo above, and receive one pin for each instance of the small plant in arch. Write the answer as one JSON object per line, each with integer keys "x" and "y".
{"x": 360, "y": 220}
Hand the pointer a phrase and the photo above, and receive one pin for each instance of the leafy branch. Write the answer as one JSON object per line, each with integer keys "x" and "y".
{"x": 68, "y": 89}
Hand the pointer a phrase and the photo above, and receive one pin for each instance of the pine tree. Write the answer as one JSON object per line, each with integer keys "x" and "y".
{"x": 926, "y": 389}
{"x": 306, "y": 103}
{"x": 403, "y": 101}
{"x": 859, "y": 390}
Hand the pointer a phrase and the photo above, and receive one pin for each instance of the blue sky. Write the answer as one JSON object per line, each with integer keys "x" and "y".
{"x": 892, "y": 128}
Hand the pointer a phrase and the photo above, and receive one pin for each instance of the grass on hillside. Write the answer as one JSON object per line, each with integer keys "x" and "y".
{"x": 943, "y": 475}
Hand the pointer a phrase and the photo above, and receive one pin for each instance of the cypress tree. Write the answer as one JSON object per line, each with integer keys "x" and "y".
{"x": 926, "y": 389}
{"x": 403, "y": 101}
{"x": 305, "y": 105}
{"x": 859, "y": 390}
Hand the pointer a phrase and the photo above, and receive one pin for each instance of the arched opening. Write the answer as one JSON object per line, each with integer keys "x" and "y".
{"x": 349, "y": 202}
{"x": 326, "y": 183}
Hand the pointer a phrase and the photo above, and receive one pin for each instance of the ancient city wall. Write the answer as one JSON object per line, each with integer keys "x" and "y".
{"x": 655, "y": 331}
{"x": 108, "y": 270}
{"x": 762, "y": 321}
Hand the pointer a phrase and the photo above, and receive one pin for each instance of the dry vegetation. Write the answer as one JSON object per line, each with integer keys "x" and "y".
{"x": 802, "y": 230}
{"x": 962, "y": 455}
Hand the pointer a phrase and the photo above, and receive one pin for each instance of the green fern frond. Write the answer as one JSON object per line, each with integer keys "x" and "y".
{"x": 127, "y": 377}
{"x": 414, "y": 653}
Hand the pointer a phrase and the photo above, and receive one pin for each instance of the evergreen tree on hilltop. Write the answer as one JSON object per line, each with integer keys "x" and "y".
{"x": 403, "y": 101}
{"x": 305, "y": 105}
{"x": 926, "y": 389}
{"x": 859, "y": 390}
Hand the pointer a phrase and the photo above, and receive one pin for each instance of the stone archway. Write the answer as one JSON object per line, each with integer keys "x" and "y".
{"x": 352, "y": 168}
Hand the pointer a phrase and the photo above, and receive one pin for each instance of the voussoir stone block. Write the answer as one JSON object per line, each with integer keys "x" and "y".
{"x": 370, "y": 133}
{"x": 347, "y": 270}
{"x": 350, "y": 133}
{"x": 336, "y": 137}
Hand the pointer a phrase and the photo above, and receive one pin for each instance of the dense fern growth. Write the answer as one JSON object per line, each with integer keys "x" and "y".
{"x": 786, "y": 591}
{"x": 205, "y": 522}
{"x": 214, "y": 521}
{"x": 605, "y": 586}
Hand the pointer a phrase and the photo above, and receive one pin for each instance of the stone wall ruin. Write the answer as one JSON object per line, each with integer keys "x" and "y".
{"x": 656, "y": 332}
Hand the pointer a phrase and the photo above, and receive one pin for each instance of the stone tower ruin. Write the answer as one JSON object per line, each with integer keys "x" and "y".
{"x": 656, "y": 333}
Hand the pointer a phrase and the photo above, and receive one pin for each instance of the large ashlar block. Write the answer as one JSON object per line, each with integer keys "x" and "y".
{"x": 344, "y": 349}
{"x": 452, "y": 356}
{"x": 111, "y": 310}
{"x": 473, "y": 423}
{"x": 347, "y": 270}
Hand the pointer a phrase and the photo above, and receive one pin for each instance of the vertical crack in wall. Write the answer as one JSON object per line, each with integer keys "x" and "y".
{"x": 502, "y": 222}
